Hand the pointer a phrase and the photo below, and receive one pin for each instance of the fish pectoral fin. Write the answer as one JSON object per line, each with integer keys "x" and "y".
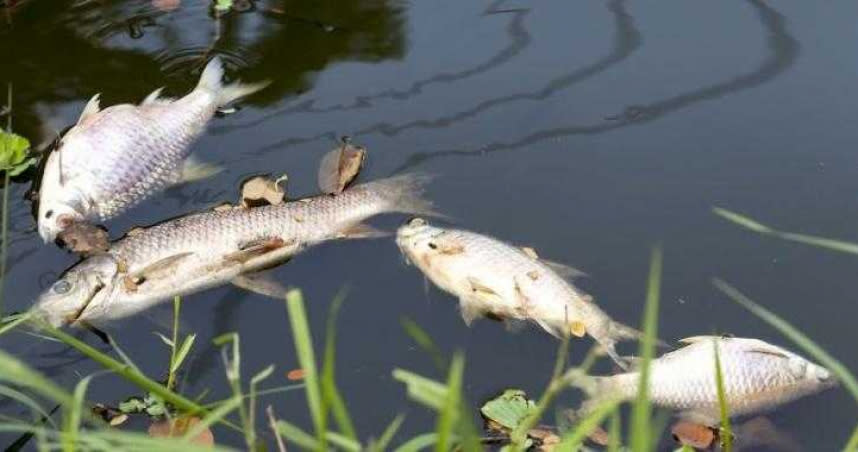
{"x": 256, "y": 248}
{"x": 158, "y": 268}
{"x": 262, "y": 283}
{"x": 362, "y": 231}
{"x": 478, "y": 287}
{"x": 194, "y": 169}
{"x": 90, "y": 110}
{"x": 695, "y": 339}
{"x": 548, "y": 328}
{"x": 470, "y": 311}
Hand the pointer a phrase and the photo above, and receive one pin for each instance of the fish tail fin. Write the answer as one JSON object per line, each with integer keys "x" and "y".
{"x": 593, "y": 387}
{"x": 404, "y": 194}
{"x": 211, "y": 80}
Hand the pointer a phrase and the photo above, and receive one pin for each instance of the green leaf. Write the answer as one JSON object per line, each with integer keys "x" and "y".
{"x": 419, "y": 442}
{"x": 509, "y": 409}
{"x": 421, "y": 389}
{"x": 165, "y": 340}
{"x": 183, "y": 352}
{"x": 726, "y": 430}
{"x": 572, "y": 440}
{"x": 331, "y": 397}
{"x": 13, "y": 150}
{"x": 132, "y": 406}
{"x": 294, "y": 434}
{"x": 641, "y": 436}
{"x": 452, "y": 404}
{"x": 386, "y": 437}
{"x": 306, "y": 359}
{"x": 21, "y": 167}
{"x": 223, "y": 5}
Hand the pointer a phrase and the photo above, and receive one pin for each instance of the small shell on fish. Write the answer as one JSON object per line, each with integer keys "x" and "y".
{"x": 261, "y": 190}
{"x": 340, "y": 167}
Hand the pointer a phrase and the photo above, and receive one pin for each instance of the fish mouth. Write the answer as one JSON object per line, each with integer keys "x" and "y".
{"x": 75, "y": 317}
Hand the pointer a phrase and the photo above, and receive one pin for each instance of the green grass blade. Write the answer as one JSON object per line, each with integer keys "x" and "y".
{"x": 306, "y": 359}
{"x": 18, "y": 373}
{"x": 573, "y": 440}
{"x": 331, "y": 397}
{"x": 424, "y": 341}
{"x": 387, "y": 436}
{"x": 74, "y": 414}
{"x": 184, "y": 349}
{"x": 418, "y": 443}
{"x": 343, "y": 442}
{"x": 129, "y": 374}
{"x": 726, "y": 430}
{"x": 641, "y": 439}
{"x": 421, "y": 389}
{"x": 294, "y": 434}
{"x": 852, "y": 445}
{"x": 821, "y": 242}
{"x": 614, "y": 429}
{"x": 797, "y": 337}
{"x": 11, "y": 322}
{"x": 26, "y": 401}
{"x": 450, "y": 409}
{"x": 213, "y": 417}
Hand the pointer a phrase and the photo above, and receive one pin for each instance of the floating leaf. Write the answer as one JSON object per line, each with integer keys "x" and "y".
{"x": 508, "y": 409}
{"x": 340, "y": 167}
{"x": 693, "y": 434}
{"x": 177, "y": 427}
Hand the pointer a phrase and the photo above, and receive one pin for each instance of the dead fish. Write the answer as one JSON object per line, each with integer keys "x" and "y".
{"x": 196, "y": 252}
{"x": 495, "y": 279}
{"x": 114, "y": 158}
{"x": 757, "y": 377}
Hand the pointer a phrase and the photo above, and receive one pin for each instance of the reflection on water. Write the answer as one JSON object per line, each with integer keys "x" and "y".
{"x": 74, "y": 52}
{"x": 783, "y": 52}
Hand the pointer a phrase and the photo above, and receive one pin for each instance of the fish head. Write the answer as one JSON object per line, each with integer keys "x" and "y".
{"x": 78, "y": 293}
{"x": 59, "y": 206}
{"x": 415, "y": 239}
{"x": 810, "y": 373}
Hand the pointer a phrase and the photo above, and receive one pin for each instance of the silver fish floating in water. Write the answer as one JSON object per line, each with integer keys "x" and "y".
{"x": 492, "y": 278}
{"x": 114, "y": 158}
{"x": 204, "y": 250}
{"x": 757, "y": 376}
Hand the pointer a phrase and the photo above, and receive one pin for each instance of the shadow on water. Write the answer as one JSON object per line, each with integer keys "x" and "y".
{"x": 65, "y": 53}
{"x": 783, "y": 52}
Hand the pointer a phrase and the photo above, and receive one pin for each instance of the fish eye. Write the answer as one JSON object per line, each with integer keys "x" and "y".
{"x": 61, "y": 287}
{"x": 433, "y": 245}
{"x": 49, "y": 214}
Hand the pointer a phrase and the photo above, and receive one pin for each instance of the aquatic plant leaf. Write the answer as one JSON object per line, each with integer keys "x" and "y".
{"x": 294, "y": 434}
{"x": 726, "y": 430}
{"x": 387, "y": 436}
{"x": 13, "y": 151}
{"x": 421, "y": 389}
{"x": 183, "y": 352}
{"x": 132, "y": 406}
{"x": 508, "y": 409}
{"x": 641, "y": 434}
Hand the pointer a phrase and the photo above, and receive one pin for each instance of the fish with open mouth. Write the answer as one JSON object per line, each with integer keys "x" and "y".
{"x": 199, "y": 251}
{"x": 757, "y": 376}
{"x": 498, "y": 280}
{"x": 115, "y": 158}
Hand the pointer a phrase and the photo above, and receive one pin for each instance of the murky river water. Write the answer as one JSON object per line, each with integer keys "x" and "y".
{"x": 588, "y": 130}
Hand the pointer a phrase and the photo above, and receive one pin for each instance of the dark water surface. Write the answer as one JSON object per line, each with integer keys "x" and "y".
{"x": 590, "y": 130}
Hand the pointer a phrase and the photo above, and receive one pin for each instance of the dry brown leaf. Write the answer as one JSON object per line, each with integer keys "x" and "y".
{"x": 600, "y": 436}
{"x": 693, "y": 434}
{"x": 340, "y": 167}
{"x": 295, "y": 374}
{"x": 178, "y": 427}
{"x": 261, "y": 190}
{"x": 85, "y": 239}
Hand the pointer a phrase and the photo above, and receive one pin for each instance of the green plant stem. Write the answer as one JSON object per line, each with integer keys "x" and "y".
{"x": 726, "y": 433}
{"x": 171, "y": 376}
{"x": 4, "y": 230}
{"x": 307, "y": 360}
{"x": 641, "y": 436}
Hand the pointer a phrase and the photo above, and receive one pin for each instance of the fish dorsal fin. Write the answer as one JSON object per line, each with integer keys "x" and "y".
{"x": 696, "y": 339}
{"x": 565, "y": 271}
{"x": 152, "y": 97}
{"x": 91, "y": 109}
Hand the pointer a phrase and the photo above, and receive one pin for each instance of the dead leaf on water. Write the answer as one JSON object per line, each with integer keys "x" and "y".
{"x": 340, "y": 167}
{"x": 178, "y": 427}
{"x": 262, "y": 190}
{"x": 85, "y": 239}
{"x": 692, "y": 434}
{"x": 295, "y": 374}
